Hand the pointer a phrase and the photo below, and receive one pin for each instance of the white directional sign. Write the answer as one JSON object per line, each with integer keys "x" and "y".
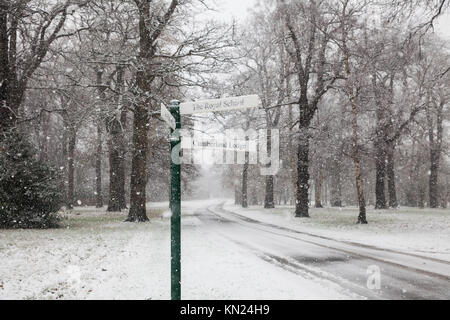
{"x": 218, "y": 105}
{"x": 227, "y": 144}
{"x": 167, "y": 117}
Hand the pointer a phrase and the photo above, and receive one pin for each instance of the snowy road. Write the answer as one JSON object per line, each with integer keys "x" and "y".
{"x": 225, "y": 256}
{"x": 348, "y": 265}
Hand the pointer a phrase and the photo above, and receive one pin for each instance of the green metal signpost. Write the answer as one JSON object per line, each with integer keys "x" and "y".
{"x": 175, "y": 203}
{"x": 173, "y": 119}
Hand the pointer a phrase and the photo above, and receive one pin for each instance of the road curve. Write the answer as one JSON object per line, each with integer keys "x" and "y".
{"x": 402, "y": 275}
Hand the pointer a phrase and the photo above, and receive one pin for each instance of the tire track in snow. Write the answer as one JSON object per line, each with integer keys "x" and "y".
{"x": 418, "y": 287}
{"x": 429, "y": 259}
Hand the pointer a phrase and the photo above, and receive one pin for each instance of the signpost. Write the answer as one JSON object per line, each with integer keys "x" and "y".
{"x": 173, "y": 119}
{"x": 175, "y": 204}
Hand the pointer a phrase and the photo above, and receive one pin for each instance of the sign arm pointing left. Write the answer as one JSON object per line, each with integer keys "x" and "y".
{"x": 168, "y": 117}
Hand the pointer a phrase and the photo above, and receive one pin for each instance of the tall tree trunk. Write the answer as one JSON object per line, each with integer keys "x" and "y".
{"x": 292, "y": 166}
{"x": 98, "y": 156}
{"x": 6, "y": 116}
{"x": 71, "y": 167}
{"x": 63, "y": 162}
{"x": 318, "y": 181}
{"x": 269, "y": 202}
{"x": 302, "y": 204}
{"x": 116, "y": 145}
{"x": 141, "y": 121}
{"x": 435, "y": 141}
{"x": 244, "y": 191}
{"x": 380, "y": 147}
{"x": 121, "y": 167}
{"x": 269, "y": 199}
{"x": 413, "y": 178}
{"x": 356, "y": 159}
{"x": 13, "y": 87}
{"x": 336, "y": 188}
{"x": 98, "y": 169}
{"x": 352, "y": 93}
{"x": 445, "y": 195}
{"x": 421, "y": 196}
{"x": 433, "y": 182}
{"x": 380, "y": 172}
{"x": 254, "y": 201}
{"x": 390, "y": 171}
{"x": 114, "y": 179}
{"x": 138, "y": 197}
{"x": 12, "y": 90}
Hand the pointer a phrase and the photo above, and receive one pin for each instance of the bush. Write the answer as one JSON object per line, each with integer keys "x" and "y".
{"x": 30, "y": 194}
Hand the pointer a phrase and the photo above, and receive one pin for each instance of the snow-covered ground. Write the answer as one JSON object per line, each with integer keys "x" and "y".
{"x": 97, "y": 256}
{"x": 424, "y": 232}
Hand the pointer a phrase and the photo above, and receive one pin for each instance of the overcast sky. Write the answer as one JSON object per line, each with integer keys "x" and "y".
{"x": 229, "y": 9}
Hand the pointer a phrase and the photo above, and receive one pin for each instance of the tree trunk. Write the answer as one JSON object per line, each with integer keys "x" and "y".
{"x": 6, "y": 116}
{"x": 356, "y": 159}
{"x": 269, "y": 198}
{"x": 98, "y": 169}
{"x": 352, "y": 96}
{"x": 121, "y": 141}
{"x": 412, "y": 194}
{"x": 138, "y": 198}
{"x": 98, "y": 156}
{"x": 302, "y": 204}
{"x": 12, "y": 83}
{"x": 114, "y": 178}
{"x": 445, "y": 196}
{"x": 71, "y": 168}
{"x": 254, "y": 201}
{"x": 318, "y": 190}
{"x": 336, "y": 188}
{"x": 269, "y": 202}
{"x": 121, "y": 167}
{"x": 141, "y": 121}
{"x": 12, "y": 90}
{"x": 117, "y": 165}
{"x": 435, "y": 141}
{"x": 421, "y": 196}
{"x": 359, "y": 182}
{"x": 390, "y": 171}
{"x": 116, "y": 144}
{"x": 380, "y": 183}
{"x": 63, "y": 162}
{"x": 433, "y": 182}
{"x": 245, "y": 183}
{"x": 292, "y": 165}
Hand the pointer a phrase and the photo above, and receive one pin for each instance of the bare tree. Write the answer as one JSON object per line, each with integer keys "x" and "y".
{"x": 26, "y": 36}
{"x": 353, "y": 89}
{"x": 435, "y": 120}
{"x": 308, "y": 45}
{"x": 267, "y": 60}
{"x": 401, "y": 9}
